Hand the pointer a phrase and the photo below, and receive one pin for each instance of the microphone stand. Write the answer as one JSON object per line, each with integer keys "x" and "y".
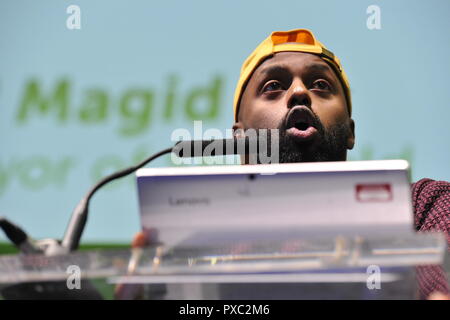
{"x": 71, "y": 239}
{"x": 74, "y": 230}
{"x": 78, "y": 220}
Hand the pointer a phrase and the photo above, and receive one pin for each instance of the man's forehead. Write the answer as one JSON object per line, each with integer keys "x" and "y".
{"x": 292, "y": 59}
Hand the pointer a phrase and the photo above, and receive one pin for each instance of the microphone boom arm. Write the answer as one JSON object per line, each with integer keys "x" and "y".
{"x": 74, "y": 230}
{"x": 78, "y": 219}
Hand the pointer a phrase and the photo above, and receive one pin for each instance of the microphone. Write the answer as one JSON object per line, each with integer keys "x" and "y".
{"x": 221, "y": 147}
{"x": 254, "y": 144}
{"x": 18, "y": 237}
{"x": 42, "y": 289}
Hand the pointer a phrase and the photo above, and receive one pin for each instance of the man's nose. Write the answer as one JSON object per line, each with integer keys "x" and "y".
{"x": 298, "y": 95}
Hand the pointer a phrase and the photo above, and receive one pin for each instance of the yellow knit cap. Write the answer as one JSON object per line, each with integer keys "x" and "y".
{"x": 301, "y": 40}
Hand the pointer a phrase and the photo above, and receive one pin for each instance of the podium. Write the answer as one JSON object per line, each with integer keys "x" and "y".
{"x": 338, "y": 268}
{"x": 237, "y": 232}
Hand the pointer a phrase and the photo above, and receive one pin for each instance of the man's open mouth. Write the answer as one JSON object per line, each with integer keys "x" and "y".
{"x": 300, "y": 124}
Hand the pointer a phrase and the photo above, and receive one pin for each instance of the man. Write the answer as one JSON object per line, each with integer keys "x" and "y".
{"x": 291, "y": 82}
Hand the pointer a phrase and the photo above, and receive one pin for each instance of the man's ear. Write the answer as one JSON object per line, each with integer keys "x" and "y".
{"x": 351, "y": 137}
{"x": 238, "y": 130}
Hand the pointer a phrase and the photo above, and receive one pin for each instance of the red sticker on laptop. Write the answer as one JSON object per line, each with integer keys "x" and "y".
{"x": 374, "y": 192}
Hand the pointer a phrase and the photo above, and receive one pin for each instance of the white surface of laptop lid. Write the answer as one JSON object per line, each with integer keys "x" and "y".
{"x": 217, "y": 205}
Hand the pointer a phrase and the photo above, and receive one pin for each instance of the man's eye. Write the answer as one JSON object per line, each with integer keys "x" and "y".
{"x": 272, "y": 86}
{"x": 321, "y": 85}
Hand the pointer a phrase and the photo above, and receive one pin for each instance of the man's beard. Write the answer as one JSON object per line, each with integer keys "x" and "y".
{"x": 330, "y": 145}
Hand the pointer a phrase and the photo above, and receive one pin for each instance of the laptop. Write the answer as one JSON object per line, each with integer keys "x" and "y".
{"x": 274, "y": 204}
